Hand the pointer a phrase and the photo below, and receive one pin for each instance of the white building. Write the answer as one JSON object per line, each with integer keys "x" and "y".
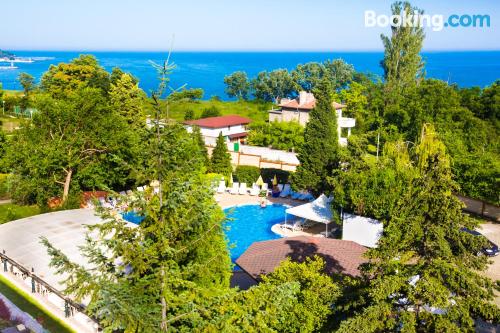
{"x": 298, "y": 110}
{"x": 232, "y": 127}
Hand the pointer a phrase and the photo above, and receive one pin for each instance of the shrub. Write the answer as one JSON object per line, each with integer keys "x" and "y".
{"x": 189, "y": 115}
{"x": 212, "y": 111}
{"x": 246, "y": 174}
{"x": 214, "y": 178}
{"x": 4, "y": 186}
{"x": 281, "y": 175}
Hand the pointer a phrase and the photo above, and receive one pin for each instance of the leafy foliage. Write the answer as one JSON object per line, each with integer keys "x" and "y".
{"x": 212, "y": 111}
{"x": 319, "y": 155}
{"x": 270, "y": 86}
{"x": 220, "y": 162}
{"x": 237, "y": 85}
{"x": 276, "y": 135}
{"x": 246, "y": 174}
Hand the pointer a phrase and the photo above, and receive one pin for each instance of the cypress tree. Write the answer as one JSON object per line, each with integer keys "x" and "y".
{"x": 200, "y": 143}
{"x": 319, "y": 154}
{"x": 221, "y": 159}
{"x": 425, "y": 274}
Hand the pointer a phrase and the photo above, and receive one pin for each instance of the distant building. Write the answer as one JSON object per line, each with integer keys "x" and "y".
{"x": 298, "y": 109}
{"x": 232, "y": 127}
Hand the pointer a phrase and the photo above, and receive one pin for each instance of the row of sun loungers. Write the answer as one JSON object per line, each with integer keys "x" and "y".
{"x": 285, "y": 190}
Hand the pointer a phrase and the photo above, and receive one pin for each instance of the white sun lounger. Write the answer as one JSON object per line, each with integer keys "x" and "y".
{"x": 280, "y": 187}
{"x": 296, "y": 226}
{"x": 140, "y": 189}
{"x": 243, "y": 188}
{"x": 286, "y": 191}
{"x": 265, "y": 187}
{"x": 222, "y": 186}
{"x": 235, "y": 188}
{"x": 255, "y": 190}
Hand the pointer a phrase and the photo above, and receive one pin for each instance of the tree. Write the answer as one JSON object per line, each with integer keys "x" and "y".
{"x": 271, "y": 86}
{"x": 200, "y": 143}
{"x": 189, "y": 114}
{"x": 78, "y": 140}
{"x": 296, "y": 297}
{"x": 237, "y": 85}
{"x": 27, "y": 81}
{"x": 211, "y": 111}
{"x": 81, "y": 72}
{"x": 308, "y": 75}
{"x": 186, "y": 95}
{"x": 278, "y": 135}
{"x": 319, "y": 154}
{"x": 221, "y": 159}
{"x": 128, "y": 99}
{"x": 402, "y": 62}
{"x": 117, "y": 73}
{"x": 424, "y": 275}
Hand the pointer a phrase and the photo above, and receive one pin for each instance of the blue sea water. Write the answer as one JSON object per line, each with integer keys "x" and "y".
{"x": 207, "y": 69}
{"x": 251, "y": 223}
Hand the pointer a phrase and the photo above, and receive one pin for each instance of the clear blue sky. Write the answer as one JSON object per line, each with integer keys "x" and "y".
{"x": 225, "y": 25}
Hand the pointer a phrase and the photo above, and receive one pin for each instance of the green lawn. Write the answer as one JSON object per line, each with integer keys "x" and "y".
{"x": 28, "y": 304}
{"x": 253, "y": 110}
{"x": 9, "y": 212}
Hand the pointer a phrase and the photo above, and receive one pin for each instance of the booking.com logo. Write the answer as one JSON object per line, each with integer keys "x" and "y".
{"x": 436, "y": 22}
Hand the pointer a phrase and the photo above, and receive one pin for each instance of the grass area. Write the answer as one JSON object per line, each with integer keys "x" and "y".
{"x": 253, "y": 110}
{"x": 9, "y": 212}
{"x": 9, "y": 123}
{"x": 13, "y": 92}
{"x": 30, "y": 305}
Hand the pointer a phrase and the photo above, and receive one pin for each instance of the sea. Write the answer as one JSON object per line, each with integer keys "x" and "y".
{"x": 206, "y": 70}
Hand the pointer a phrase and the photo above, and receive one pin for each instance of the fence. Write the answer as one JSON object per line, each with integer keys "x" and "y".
{"x": 481, "y": 208}
{"x": 39, "y": 286}
{"x": 262, "y": 157}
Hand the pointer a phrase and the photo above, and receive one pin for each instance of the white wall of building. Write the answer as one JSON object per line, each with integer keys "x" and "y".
{"x": 211, "y": 134}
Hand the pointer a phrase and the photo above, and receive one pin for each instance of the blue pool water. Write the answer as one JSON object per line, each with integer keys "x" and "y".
{"x": 133, "y": 217}
{"x": 251, "y": 223}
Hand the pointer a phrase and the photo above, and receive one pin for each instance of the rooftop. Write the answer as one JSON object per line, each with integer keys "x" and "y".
{"x": 305, "y": 101}
{"x": 340, "y": 256}
{"x": 219, "y": 122}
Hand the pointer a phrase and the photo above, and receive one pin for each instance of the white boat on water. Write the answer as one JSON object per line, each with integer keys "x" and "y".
{"x": 9, "y": 67}
{"x": 19, "y": 60}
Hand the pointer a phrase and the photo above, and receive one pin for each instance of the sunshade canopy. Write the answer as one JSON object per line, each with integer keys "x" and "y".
{"x": 319, "y": 210}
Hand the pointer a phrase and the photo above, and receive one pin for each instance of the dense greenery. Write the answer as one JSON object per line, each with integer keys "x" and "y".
{"x": 220, "y": 161}
{"x": 319, "y": 155}
{"x": 10, "y": 212}
{"x": 277, "y": 135}
{"x": 246, "y": 174}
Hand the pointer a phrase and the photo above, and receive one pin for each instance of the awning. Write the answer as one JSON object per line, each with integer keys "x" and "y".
{"x": 238, "y": 135}
{"x": 319, "y": 210}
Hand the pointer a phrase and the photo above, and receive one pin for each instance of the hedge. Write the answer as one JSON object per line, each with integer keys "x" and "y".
{"x": 249, "y": 174}
{"x": 246, "y": 174}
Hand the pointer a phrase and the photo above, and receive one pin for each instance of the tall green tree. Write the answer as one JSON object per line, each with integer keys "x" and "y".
{"x": 76, "y": 142}
{"x": 27, "y": 81}
{"x": 402, "y": 62}
{"x": 220, "y": 162}
{"x": 237, "y": 85}
{"x": 271, "y": 86}
{"x": 128, "y": 99}
{"x": 319, "y": 155}
{"x": 83, "y": 71}
{"x": 202, "y": 148}
{"x": 425, "y": 275}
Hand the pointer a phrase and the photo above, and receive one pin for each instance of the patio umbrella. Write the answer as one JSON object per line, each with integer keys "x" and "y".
{"x": 259, "y": 181}
{"x": 275, "y": 181}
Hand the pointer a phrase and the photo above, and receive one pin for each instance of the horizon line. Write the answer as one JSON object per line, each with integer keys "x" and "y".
{"x": 239, "y": 50}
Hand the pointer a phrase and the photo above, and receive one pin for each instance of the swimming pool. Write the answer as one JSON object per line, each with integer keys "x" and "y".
{"x": 251, "y": 223}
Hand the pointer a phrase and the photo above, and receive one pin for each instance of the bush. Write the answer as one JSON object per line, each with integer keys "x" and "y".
{"x": 214, "y": 178}
{"x": 212, "y": 111}
{"x": 281, "y": 175}
{"x": 246, "y": 174}
{"x": 4, "y": 186}
{"x": 189, "y": 115}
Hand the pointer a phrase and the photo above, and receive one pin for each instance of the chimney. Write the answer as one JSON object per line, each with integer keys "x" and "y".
{"x": 302, "y": 97}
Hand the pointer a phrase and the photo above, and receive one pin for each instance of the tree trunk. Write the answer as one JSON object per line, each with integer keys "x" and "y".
{"x": 66, "y": 185}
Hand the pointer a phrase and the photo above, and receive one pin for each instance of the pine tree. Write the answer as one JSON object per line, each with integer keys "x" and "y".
{"x": 319, "y": 154}
{"x": 425, "y": 275}
{"x": 221, "y": 159}
{"x": 200, "y": 143}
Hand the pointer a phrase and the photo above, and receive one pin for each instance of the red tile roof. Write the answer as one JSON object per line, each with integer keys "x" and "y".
{"x": 219, "y": 122}
{"x": 340, "y": 256}
{"x": 294, "y": 104}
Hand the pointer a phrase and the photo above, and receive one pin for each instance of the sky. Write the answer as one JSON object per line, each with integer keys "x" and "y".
{"x": 227, "y": 25}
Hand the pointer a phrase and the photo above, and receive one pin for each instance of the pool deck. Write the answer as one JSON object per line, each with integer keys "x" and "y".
{"x": 226, "y": 200}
